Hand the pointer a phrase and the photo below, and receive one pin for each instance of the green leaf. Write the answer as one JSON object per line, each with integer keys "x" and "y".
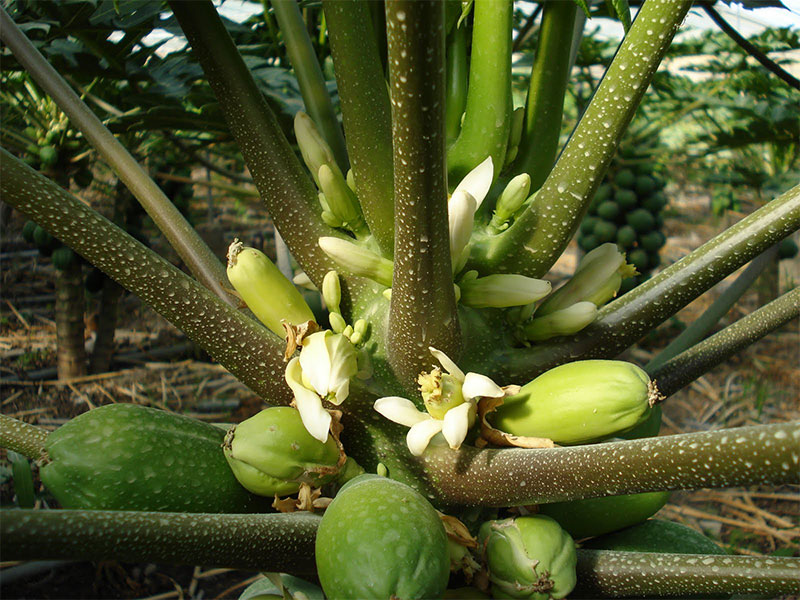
{"x": 622, "y": 10}
{"x": 466, "y": 7}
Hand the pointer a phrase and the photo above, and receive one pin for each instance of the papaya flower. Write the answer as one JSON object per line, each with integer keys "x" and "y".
{"x": 462, "y": 206}
{"x": 450, "y": 400}
{"x": 323, "y": 370}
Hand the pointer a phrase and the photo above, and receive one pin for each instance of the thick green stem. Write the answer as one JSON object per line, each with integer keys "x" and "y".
{"x": 457, "y": 77}
{"x": 285, "y": 189}
{"x": 536, "y": 240}
{"x": 243, "y": 346}
{"x": 624, "y": 321}
{"x": 366, "y": 113}
{"x": 423, "y": 306}
{"x": 697, "y": 330}
{"x": 21, "y": 437}
{"x": 189, "y": 246}
{"x": 487, "y": 117}
{"x": 604, "y": 573}
{"x": 545, "y": 103}
{"x": 306, "y": 67}
{"x": 756, "y": 455}
{"x": 267, "y": 542}
{"x": 704, "y": 356}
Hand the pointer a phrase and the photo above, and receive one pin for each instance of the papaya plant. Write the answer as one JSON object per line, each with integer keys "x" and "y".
{"x": 427, "y": 240}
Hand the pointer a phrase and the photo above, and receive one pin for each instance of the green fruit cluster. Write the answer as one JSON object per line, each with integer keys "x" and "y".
{"x": 626, "y": 210}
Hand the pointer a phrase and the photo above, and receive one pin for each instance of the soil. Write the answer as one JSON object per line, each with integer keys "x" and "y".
{"x": 156, "y": 366}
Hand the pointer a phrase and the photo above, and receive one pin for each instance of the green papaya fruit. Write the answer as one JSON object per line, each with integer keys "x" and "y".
{"x": 653, "y": 241}
{"x": 587, "y": 242}
{"x": 626, "y": 236}
{"x": 528, "y": 558}
{"x": 27, "y": 231}
{"x": 605, "y": 231}
{"x": 645, "y": 185}
{"x": 597, "y": 516}
{"x": 656, "y": 535}
{"x": 625, "y": 178}
{"x": 641, "y": 220}
{"x": 608, "y": 210}
{"x": 626, "y": 199}
{"x": 130, "y": 457}
{"x": 381, "y": 539}
{"x": 579, "y": 402}
{"x": 639, "y": 259}
{"x": 787, "y": 249}
{"x": 63, "y": 257}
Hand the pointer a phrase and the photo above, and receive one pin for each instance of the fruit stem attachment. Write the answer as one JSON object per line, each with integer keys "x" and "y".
{"x": 22, "y": 437}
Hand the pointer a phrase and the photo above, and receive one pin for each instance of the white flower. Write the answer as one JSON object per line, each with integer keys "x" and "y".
{"x": 450, "y": 403}
{"x": 462, "y": 206}
{"x": 327, "y": 362}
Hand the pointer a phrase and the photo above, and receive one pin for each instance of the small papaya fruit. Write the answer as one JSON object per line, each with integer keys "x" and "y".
{"x": 381, "y": 539}
{"x": 579, "y": 402}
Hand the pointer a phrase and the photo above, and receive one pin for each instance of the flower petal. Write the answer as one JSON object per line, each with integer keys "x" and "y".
{"x": 316, "y": 419}
{"x": 400, "y": 410}
{"x": 456, "y": 424}
{"x": 461, "y": 217}
{"x": 448, "y": 364}
{"x": 419, "y": 436}
{"x": 477, "y": 386}
{"x": 316, "y": 361}
{"x": 478, "y": 181}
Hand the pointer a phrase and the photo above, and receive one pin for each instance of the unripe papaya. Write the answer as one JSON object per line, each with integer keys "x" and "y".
{"x": 579, "y": 402}
{"x": 530, "y": 558}
{"x": 597, "y": 516}
{"x": 626, "y": 199}
{"x": 272, "y": 453}
{"x": 381, "y": 539}
{"x": 655, "y": 535}
{"x": 625, "y": 178}
{"x": 130, "y": 457}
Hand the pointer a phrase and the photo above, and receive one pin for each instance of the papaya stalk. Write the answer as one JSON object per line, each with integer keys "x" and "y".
{"x": 756, "y": 455}
{"x": 423, "y": 308}
{"x": 605, "y": 573}
{"x": 267, "y": 542}
{"x": 22, "y": 437}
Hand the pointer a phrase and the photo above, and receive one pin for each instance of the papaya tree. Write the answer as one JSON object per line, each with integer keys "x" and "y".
{"x": 427, "y": 235}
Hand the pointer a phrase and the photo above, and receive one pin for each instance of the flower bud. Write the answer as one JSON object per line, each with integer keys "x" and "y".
{"x": 272, "y": 453}
{"x": 511, "y": 200}
{"x": 593, "y": 280}
{"x": 502, "y": 290}
{"x": 342, "y": 202}
{"x": 332, "y": 291}
{"x": 529, "y": 557}
{"x": 313, "y": 147}
{"x": 358, "y": 260}
{"x": 562, "y": 322}
{"x": 579, "y": 402}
